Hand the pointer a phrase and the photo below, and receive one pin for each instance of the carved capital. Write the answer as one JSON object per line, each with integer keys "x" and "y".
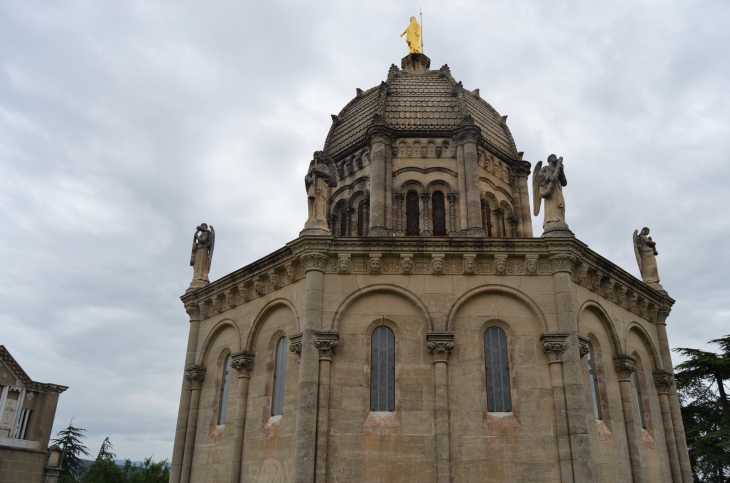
{"x": 425, "y": 197}
{"x": 295, "y": 344}
{"x": 440, "y": 345}
{"x": 663, "y": 380}
{"x": 583, "y": 346}
{"x": 195, "y": 375}
{"x": 314, "y": 261}
{"x": 554, "y": 345}
{"x": 452, "y": 197}
{"x": 193, "y": 312}
{"x": 242, "y": 361}
{"x": 400, "y": 196}
{"x": 326, "y": 343}
{"x": 562, "y": 262}
{"x": 661, "y": 315}
{"x": 624, "y": 365}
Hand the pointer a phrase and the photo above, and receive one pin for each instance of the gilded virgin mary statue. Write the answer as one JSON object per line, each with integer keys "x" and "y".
{"x": 413, "y": 37}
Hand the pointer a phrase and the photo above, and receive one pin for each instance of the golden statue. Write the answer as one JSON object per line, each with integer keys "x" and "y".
{"x": 413, "y": 37}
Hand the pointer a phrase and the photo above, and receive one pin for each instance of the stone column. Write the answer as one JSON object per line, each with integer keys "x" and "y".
{"x": 461, "y": 173}
{"x": 242, "y": 362}
{"x": 426, "y": 214}
{"x": 389, "y": 186}
{"x": 521, "y": 172}
{"x": 469, "y": 137}
{"x": 326, "y": 344}
{"x": 182, "y": 413}
{"x": 625, "y": 365}
{"x": 440, "y": 345}
{"x": 378, "y": 144}
{"x": 195, "y": 376}
{"x": 575, "y": 398}
{"x": 348, "y": 226}
{"x": 554, "y": 345}
{"x": 452, "y": 213}
{"x": 663, "y": 380}
{"x": 682, "y": 452}
{"x": 314, "y": 264}
{"x": 399, "y": 197}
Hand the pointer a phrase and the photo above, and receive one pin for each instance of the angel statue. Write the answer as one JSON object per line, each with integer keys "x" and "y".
{"x": 645, "y": 250}
{"x": 547, "y": 184}
{"x": 413, "y": 37}
{"x": 202, "y": 254}
{"x": 318, "y": 178}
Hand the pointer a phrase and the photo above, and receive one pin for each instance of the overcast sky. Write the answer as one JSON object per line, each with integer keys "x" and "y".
{"x": 123, "y": 125}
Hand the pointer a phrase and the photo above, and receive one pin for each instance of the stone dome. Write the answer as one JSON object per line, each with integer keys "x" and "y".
{"x": 417, "y": 101}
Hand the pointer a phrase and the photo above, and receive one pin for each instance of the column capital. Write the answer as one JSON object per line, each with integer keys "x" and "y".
{"x": 452, "y": 197}
{"x": 663, "y": 380}
{"x": 554, "y": 344}
{"x": 468, "y": 133}
{"x": 295, "y": 343}
{"x": 661, "y": 315}
{"x": 242, "y": 361}
{"x": 562, "y": 262}
{"x": 326, "y": 343}
{"x": 195, "y": 375}
{"x": 624, "y": 365}
{"x": 193, "y": 311}
{"x": 314, "y": 261}
{"x": 583, "y": 347}
{"x": 440, "y": 345}
{"x": 400, "y": 195}
{"x": 425, "y": 196}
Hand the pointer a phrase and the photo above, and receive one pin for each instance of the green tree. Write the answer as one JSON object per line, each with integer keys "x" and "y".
{"x": 104, "y": 469}
{"x": 69, "y": 440}
{"x": 702, "y": 384}
{"x": 147, "y": 472}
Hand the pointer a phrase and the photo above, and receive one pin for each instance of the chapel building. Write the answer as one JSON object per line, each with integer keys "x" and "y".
{"x": 417, "y": 331}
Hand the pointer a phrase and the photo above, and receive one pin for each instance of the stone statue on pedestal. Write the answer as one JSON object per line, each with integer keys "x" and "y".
{"x": 202, "y": 254}
{"x": 547, "y": 184}
{"x": 318, "y": 178}
{"x": 645, "y": 250}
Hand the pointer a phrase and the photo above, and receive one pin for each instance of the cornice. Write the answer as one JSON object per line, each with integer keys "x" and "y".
{"x": 30, "y": 385}
{"x": 285, "y": 266}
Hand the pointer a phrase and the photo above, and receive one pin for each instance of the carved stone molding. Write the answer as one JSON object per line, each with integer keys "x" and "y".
{"x": 663, "y": 380}
{"x": 258, "y": 286}
{"x": 608, "y": 289}
{"x": 562, "y": 262}
{"x": 554, "y": 344}
{"x": 195, "y": 375}
{"x": 314, "y": 261}
{"x": 295, "y": 344}
{"x": 242, "y": 361}
{"x": 440, "y": 345}
{"x": 326, "y": 343}
{"x": 406, "y": 262}
{"x": 621, "y": 295}
{"x": 291, "y": 272}
{"x": 531, "y": 263}
{"x": 274, "y": 279}
{"x": 624, "y": 365}
{"x": 597, "y": 281}
{"x": 583, "y": 346}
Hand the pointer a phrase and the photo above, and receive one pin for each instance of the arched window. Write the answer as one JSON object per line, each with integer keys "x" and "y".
{"x": 344, "y": 221}
{"x": 412, "y": 226}
{"x": 637, "y": 386}
{"x": 277, "y": 406}
{"x": 499, "y": 399}
{"x": 225, "y": 384}
{"x": 362, "y": 214}
{"x": 594, "y": 382}
{"x": 382, "y": 370}
{"x": 486, "y": 217}
{"x": 439, "y": 213}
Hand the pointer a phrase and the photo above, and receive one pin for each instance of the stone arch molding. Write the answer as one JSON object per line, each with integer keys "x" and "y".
{"x": 213, "y": 335}
{"x": 263, "y": 315}
{"x": 501, "y": 290}
{"x": 644, "y": 336}
{"x": 606, "y": 321}
{"x": 381, "y": 288}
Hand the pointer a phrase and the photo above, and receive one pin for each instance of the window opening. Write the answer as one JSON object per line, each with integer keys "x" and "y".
{"x": 499, "y": 399}
{"x": 382, "y": 371}
{"x": 277, "y": 406}
{"x": 594, "y": 382}
{"x": 439, "y": 213}
{"x": 225, "y": 385}
{"x": 638, "y": 399}
{"x": 412, "y": 225}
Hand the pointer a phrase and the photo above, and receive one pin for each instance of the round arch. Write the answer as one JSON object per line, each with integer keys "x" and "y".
{"x": 606, "y": 321}
{"x": 261, "y": 317}
{"x": 497, "y": 289}
{"x": 437, "y": 182}
{"x": 413, "y": 182}
{"x": 644, "y": 336}
{"x": 387, "y": 288}
{"x": 213, "y": 334}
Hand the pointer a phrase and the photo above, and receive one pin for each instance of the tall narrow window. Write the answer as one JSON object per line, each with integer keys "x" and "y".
{"x": 382, "y": 370}
{"x": 225, "y": 384}
{"x": 499, "y": 399}
{"x": 412, "y": 213}
{"x": 594, "y": 382}
{"x": 344, "y": 220}
{"x": 439, "y": 213}
{"x": 638, "y": 399}
{"x": 277, "y": 406}
{"x": 486, "y": 217}
{"x": 361, "y": 211}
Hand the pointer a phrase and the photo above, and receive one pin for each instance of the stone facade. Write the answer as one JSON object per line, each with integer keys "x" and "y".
{"x": 558, "y": 304}
{"x": 27, "y": 410}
